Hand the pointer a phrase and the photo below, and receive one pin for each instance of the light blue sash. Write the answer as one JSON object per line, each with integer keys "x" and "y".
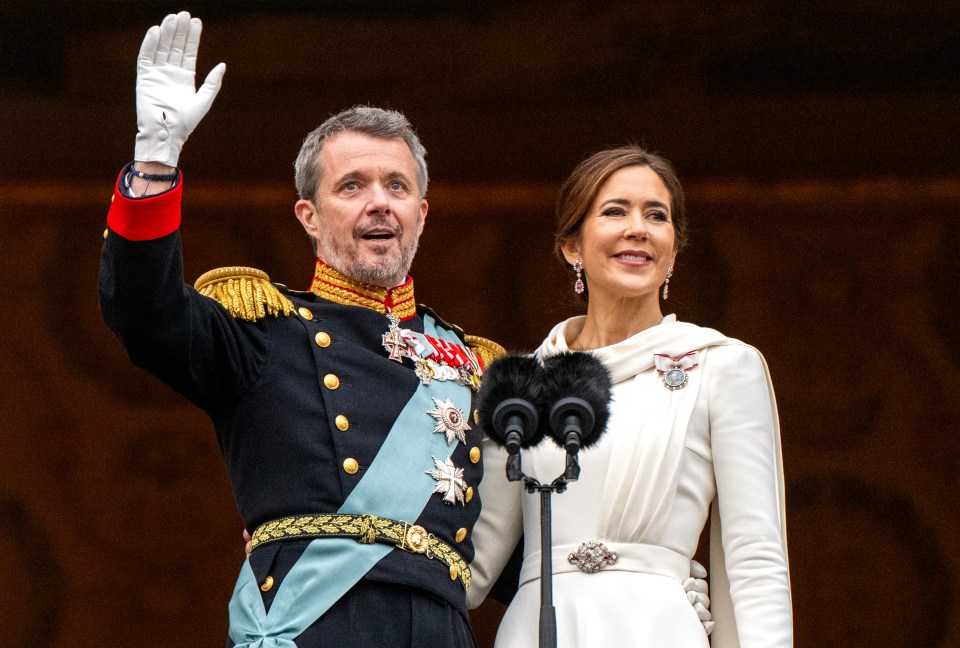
{"x": 396, "y": 486}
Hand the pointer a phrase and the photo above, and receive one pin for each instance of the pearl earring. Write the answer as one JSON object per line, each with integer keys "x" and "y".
{"x": 666, "y": 283}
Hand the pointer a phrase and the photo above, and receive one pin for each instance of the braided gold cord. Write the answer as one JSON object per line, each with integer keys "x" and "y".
{"x": 330, "y": 284}
{"x": 347, "y": 297}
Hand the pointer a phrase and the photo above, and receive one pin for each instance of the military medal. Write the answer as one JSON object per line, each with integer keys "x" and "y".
{"x": 433, "y": 358}
{"x": 393, "y": 340}
{"x": 673, "y": 371}
{"x": 450, "y": 420}
{"x": 436, "y": 359}
{"x": 449, "y": 481}
{"x": 424, "y": 371}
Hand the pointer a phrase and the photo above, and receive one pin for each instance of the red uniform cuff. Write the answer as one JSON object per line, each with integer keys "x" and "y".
{"x": 145, "y": 219}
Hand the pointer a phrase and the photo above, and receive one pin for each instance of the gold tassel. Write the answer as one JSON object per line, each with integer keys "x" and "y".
{"x": 246, "y": 293}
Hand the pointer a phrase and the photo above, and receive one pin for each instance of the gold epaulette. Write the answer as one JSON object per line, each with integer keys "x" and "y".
{"x": 488, "y": 350}
{"x": 246, "y": 293}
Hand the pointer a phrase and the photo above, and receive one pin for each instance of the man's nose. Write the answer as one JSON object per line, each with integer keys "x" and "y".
{"x": 379, "y": 199}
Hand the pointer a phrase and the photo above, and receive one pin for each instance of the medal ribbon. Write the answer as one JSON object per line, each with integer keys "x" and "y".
{"x": 441, "y": 351}
{"x": 688, "y": 360}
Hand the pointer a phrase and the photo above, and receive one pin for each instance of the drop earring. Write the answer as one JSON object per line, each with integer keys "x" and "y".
{"x": 666, "y": 283}
{"x": 578, "y": 284}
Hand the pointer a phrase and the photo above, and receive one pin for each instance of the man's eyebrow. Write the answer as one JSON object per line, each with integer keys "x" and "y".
{"x": 351, "y": 175}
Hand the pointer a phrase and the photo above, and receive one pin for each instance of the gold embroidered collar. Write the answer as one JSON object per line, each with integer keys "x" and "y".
{"x": 331, "y": 284}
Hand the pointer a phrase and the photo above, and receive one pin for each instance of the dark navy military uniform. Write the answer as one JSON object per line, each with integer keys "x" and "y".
{"x": 301, "y": 404}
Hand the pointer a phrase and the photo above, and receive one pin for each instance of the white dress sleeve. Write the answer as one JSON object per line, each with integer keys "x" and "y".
{"x": 498, "y": 530}
{"x": 746, "y": 458}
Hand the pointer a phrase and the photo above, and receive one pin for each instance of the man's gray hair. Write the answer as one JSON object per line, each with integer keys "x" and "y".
{"x": 367, "y": 120}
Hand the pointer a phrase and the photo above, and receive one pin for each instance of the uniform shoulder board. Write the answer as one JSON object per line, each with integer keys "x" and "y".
{"x": 423, "y": 308}
{"x": 488, "y": 350}
{"x": 246, "y": 293}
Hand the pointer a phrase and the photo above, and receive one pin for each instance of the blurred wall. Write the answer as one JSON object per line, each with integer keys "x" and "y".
{"x": 819, "y": 145}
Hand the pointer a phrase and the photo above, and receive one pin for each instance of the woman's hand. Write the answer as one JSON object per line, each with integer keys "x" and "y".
{"x": 698, "y": 593}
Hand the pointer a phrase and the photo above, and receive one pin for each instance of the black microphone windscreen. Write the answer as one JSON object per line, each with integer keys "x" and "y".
{"x": 511, "y": 377}
{"x": 580, "y": 375}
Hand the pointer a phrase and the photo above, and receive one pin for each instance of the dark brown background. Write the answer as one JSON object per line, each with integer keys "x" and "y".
{"x": 820, "y": 144}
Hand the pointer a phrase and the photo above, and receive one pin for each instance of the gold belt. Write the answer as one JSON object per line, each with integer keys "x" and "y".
{"x": 365, "y": 529}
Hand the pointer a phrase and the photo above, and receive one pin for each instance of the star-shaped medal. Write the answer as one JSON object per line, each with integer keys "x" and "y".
{"x": 449, "y": 481}
{"x": 450, "y": 420}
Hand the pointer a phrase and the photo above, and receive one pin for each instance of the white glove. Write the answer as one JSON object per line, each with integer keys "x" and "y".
{"x": 168, "y": 105}
{"x": 698, "y": 593}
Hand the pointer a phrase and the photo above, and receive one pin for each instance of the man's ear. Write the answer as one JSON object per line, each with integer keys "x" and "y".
{"x": 308, "y": 216}
{"x": 423, "y": 215}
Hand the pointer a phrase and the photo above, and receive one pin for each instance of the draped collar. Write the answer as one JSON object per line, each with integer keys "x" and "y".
{"x": 335, "y": 286}
{"x": 635, "y": 354}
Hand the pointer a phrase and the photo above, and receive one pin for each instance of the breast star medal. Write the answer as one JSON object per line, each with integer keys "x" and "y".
{"x": 450, "y": 420}
{"x": 450, "y": 481}
{"x": 673, "y": 370}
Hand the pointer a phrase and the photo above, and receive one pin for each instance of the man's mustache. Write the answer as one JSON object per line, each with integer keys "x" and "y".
{"x": 377, "y": 226}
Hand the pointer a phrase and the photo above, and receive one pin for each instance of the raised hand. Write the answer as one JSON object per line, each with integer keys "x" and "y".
{"x": 168, "y": 105}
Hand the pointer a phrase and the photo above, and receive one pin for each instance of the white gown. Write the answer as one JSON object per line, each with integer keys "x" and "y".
{"x": 645, "y": 491}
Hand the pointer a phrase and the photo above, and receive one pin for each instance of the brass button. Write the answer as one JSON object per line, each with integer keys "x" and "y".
{"x": 469, "y": 494}
{"x": 342, "y": 422}
{"x": 454, "y": 572}
{"x": 267, "y": 584}
{"x": 322, "y": 338}
{"x": 461, "y": 534}
{"x": 476, "y": 417}
{"x": 305, "y": 314}
{"x": 351, "y": 466}
{"x": 330, "y": 381}
{"x": 474, "y": 454}
{"x": 105, "y": 232}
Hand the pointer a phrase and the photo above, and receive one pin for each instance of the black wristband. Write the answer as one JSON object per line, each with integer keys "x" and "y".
{"x": 154, "y": 177}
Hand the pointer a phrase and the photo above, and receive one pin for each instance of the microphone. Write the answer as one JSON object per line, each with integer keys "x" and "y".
{"x": 509, "y": 399}
{"x": 578, "y": 385}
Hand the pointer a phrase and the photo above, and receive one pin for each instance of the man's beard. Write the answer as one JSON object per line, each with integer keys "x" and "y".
{"x": 386, "y": 270}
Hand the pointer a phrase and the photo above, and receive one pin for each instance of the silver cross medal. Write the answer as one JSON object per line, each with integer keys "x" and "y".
{"x": 393, "y": 340}
{"x": 450, "y": 481}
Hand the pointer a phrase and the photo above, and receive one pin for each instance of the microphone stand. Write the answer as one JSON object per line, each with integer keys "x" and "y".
{"x": 548, "y": 614}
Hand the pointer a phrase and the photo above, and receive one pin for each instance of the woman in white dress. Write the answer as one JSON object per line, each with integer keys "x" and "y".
{"x": 693, "y": 427}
